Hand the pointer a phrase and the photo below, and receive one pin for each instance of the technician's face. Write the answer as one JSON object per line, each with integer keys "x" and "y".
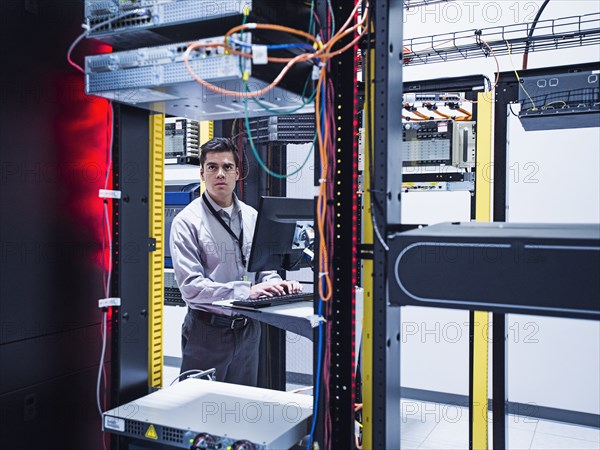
{"x": 220, "y": 174}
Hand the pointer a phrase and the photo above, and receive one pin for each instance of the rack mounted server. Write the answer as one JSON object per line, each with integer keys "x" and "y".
{"x": 182, "y": 138}
{"x": 127, "y": 24}
{"x": 202, "y": 414}
{"x": 290, "y": 129}
{"x": 155, "y": 78}
{"x": 172, "y": 293}
{"x": 439, "y": 142}
{"x": 569, "y": 100}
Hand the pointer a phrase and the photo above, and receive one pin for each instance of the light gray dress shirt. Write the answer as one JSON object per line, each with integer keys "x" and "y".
{"x": 206, "y": 258}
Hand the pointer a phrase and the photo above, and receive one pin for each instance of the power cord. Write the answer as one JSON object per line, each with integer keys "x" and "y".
{"x": 88, "y": 30}
{"x": 209, "y": 374}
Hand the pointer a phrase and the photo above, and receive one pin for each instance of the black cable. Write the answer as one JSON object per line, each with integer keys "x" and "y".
{"x": 531, "y": 30}
{"x": 295, "y": 265}
{"x": 511, "y": 110}
{"x": 489, "y": 83}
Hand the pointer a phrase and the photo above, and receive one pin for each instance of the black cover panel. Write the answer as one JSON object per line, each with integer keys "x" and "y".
{"x": 521, "y": 268}
{"x": 52, "y": 161}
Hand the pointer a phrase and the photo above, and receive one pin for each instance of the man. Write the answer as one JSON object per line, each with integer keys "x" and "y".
{"x": 210, "y": 245}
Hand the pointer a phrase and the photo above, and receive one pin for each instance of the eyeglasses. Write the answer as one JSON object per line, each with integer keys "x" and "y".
{"x": 214, "y": 168}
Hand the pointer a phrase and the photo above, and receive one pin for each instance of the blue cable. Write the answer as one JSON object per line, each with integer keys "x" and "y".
{"x": 272, "y": 46}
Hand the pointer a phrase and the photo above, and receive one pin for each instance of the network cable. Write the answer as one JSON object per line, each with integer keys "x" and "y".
{"x": 518, "y": 77}
{"x": 107, "y": 235}
{"x": 324, "y": 51}
{"x": 88, "y": 30}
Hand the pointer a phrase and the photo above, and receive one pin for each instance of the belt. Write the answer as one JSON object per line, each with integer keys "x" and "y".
{"x": 233, "y": 323}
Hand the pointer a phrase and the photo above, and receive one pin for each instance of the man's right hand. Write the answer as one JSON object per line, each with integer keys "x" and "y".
{"x": 266, "y": 289}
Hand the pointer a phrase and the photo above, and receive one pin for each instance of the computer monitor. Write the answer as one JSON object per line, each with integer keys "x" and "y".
{"x": 284, "y": 229}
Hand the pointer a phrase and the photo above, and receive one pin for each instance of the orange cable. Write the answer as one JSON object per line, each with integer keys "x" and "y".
{"x": 323, "y": 53}
{"x": 222, "y": 91}
{"x": 445, "y": 116}
{"x": 322, "y": 197}
{"x": 497, "y": 70}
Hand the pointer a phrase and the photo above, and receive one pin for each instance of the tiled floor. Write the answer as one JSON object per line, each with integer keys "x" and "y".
{"x": 443, "y": 427}
{"x": 435, "y": 426}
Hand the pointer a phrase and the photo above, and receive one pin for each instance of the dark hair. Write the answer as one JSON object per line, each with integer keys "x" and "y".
{"x": 219, "y": 145}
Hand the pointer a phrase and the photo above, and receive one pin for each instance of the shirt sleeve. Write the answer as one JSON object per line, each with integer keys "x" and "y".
{"x": 195, "y": 287}
{"x": 267, "y": 276}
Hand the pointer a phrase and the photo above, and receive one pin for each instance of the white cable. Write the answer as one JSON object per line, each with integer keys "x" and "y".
{"x": 104, "y": 314}
{"x": 377, "y": 233}
{"x": 75, "y": 42}
{"x": 110, "y": 262}
{"x": 198, "y": 372}
{"x": 108, "y": 232}
{"x": 88, "y": 30}
{"x": 107, "y": 219}
{"x": 108, "y": 171}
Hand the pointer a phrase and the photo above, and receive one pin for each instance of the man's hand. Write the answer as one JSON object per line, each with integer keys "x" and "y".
{"x": 267, "y": 289}
{"x": 292, "y": 286}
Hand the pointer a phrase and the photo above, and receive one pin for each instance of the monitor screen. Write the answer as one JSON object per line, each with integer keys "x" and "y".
{"x": 284, "y": 229}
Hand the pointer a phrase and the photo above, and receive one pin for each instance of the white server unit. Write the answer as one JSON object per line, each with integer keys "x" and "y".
{"x": 202, "y": 414}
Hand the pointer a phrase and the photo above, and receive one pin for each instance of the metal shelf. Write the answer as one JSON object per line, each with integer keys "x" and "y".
{"x": 552, "y": 34}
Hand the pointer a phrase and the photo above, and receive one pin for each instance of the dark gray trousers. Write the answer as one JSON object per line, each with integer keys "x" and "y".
{"x": 233, "y": 353}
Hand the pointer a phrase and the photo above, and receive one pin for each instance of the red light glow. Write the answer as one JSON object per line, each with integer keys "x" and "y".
{"x": 81, "y": 128}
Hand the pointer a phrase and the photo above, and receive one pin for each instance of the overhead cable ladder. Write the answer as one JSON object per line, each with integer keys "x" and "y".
{"x": 551, "y": 34}
{"x": 408, "y": 4}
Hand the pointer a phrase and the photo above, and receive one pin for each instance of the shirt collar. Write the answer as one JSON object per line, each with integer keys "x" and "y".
{"x": 236, "y": 206}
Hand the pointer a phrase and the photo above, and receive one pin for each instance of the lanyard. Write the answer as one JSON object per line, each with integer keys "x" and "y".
{"x": 239, "y": 239}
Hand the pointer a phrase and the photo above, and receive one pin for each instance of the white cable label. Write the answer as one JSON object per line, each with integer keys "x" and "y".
{"x": 260, "y": 54}
{"x": 107, "y": 193}
{"x": 114, "y": 423}
{"x": 316, "y": 72}
{"x": 111, "y": 301}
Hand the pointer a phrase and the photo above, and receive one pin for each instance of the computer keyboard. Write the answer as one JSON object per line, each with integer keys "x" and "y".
{"x": 263, "y": 302}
